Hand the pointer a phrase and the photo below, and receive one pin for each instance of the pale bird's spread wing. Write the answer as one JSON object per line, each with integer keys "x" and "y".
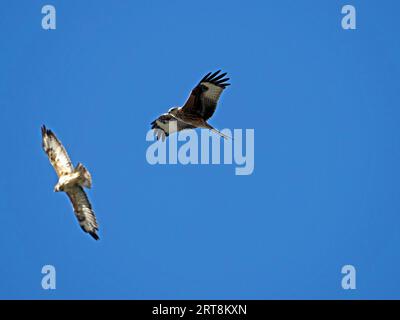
{"x": 204, "y": 97}
{"x": 56, "y": 152}
{"x": 83, "y": 210}
{"x": 166, "y": 124}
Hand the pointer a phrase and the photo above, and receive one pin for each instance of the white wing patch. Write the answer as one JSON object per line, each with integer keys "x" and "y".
{"x": 211, "y": 96}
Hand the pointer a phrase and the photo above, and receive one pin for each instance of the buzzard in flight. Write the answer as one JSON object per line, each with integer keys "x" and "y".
{"x": 199, "y": 107}
{"x": 71, "y": 181}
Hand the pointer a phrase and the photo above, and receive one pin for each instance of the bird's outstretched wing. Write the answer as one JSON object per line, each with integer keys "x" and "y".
{"x": 166, "y": 124}
{"x": 204, "y": 97}
{"x": 83, "y": 210}
{"x": 56, "y": 152}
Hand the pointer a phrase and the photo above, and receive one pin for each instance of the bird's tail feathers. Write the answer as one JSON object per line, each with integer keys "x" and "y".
{"x": 84, "y": 175}
{"x": 219, "y": 133}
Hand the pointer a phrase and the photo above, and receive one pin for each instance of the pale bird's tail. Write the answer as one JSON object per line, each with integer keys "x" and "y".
{"x": 84, "y": 176}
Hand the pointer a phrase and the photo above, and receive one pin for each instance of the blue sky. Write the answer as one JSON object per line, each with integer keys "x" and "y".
{"x": 324, "y": 103}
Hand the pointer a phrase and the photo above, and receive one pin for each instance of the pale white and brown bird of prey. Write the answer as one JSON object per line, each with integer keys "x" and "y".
{"x": 71, "y": 181}
{"x": 199, "y": 107}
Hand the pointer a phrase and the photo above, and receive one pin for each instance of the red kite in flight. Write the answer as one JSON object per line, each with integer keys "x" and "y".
{"x": 199, "y": 107}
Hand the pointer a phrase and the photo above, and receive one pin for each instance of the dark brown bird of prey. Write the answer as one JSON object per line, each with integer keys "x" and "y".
{"x": 199, "y": 107}
{"x": 71, "y": 181}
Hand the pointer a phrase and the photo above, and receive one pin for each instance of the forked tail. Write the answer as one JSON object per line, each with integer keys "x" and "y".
{"x": 218, "y": 132}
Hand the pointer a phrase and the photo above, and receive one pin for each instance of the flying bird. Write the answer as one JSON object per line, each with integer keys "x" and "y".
{"x": 71, "y": 181}
{"x": 199, "y": 107}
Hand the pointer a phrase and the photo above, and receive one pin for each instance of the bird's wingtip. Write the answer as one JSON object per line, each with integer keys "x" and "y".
{"x": 94, "y": 235}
